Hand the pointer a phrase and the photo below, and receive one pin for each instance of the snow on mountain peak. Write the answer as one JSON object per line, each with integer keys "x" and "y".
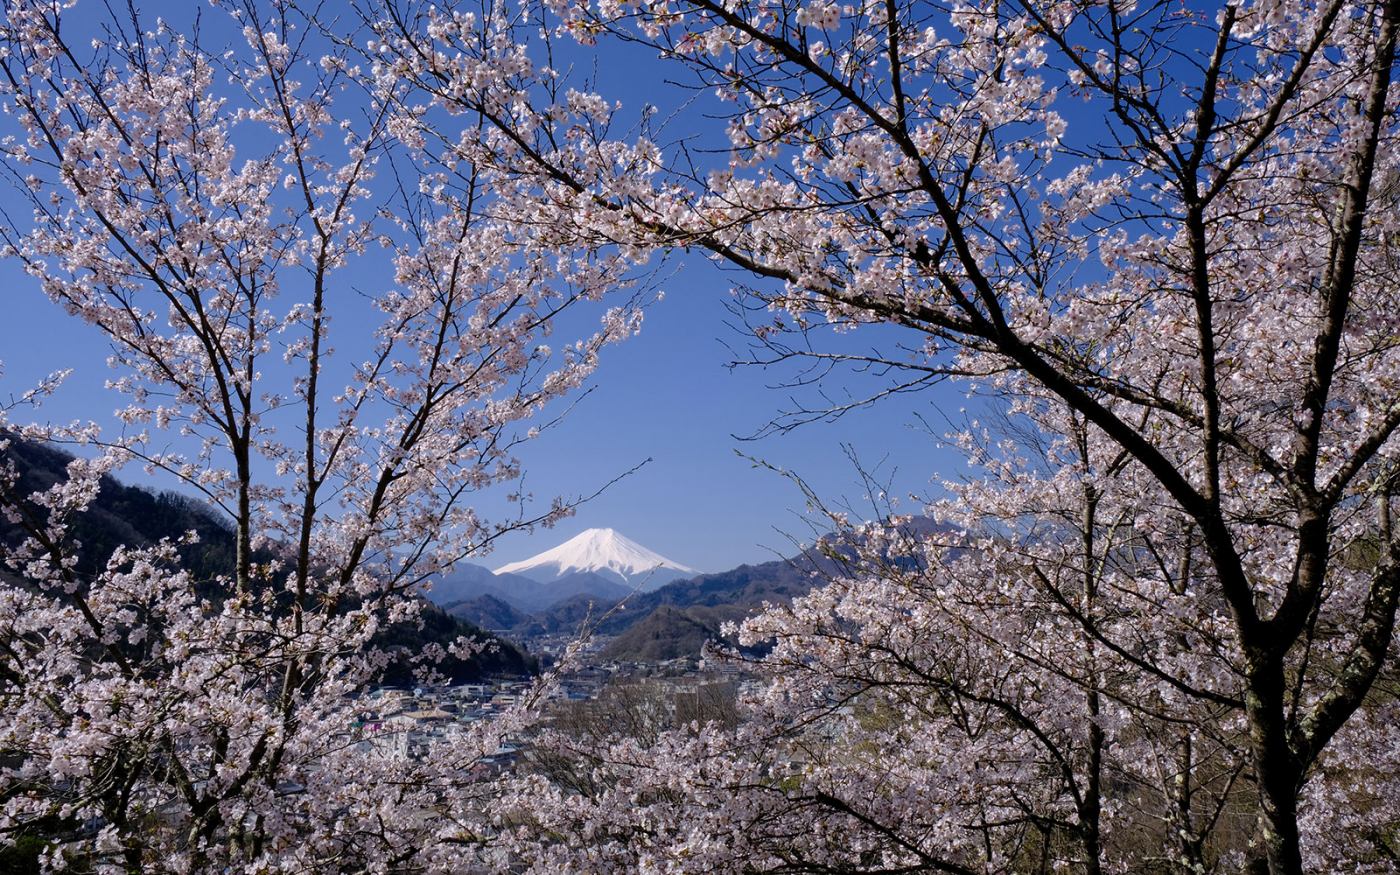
{"x": 599, "y": 551}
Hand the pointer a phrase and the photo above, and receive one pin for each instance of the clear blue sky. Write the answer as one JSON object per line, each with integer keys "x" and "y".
{"x": 666, "y": 395}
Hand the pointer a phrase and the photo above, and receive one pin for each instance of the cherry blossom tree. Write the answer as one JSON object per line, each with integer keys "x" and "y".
{"x": 1164, "y": 237}
{"x": 1175, "y": 224}
{"x": 987, "y": 696}
{"x": 210, "y": 199}
{"x": 1031, "y": 686}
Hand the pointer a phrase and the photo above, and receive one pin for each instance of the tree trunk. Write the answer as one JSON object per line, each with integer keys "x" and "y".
{"x": 1275, "y": 770}
{"x": 1186, "y": 841}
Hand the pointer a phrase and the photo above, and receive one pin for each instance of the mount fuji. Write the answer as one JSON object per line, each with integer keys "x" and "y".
{"x": 606, "y": 554}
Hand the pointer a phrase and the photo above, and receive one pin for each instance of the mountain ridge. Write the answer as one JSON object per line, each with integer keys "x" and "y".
{"x": 676, "y": 620}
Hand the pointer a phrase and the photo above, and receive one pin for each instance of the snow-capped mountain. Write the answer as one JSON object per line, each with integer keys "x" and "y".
{"x": 603, "y": 552}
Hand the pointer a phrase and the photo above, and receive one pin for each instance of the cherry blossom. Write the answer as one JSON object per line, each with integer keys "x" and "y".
{"x": 210, "y": 211}
{"x": 1160, "y": 236}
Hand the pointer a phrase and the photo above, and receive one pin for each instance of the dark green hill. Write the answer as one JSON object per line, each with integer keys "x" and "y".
{"x": 486, "y": 611}
{"x": 123, "y": 515}
{"x": 565, "y": 617}
{"x": 677, "y": 619}
{"x": 669, "y": 632}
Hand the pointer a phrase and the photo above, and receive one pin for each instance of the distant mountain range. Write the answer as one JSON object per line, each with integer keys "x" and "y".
{"x": 668, "y": 622}
{"x": 468, "y": 582}
{"x": 671, "y": 621}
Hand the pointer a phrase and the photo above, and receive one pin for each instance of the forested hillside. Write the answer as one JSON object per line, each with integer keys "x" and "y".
{"x": 132, "y": 516}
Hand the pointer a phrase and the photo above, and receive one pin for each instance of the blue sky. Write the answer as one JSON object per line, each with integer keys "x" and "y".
{"x": 666, "y": 395}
